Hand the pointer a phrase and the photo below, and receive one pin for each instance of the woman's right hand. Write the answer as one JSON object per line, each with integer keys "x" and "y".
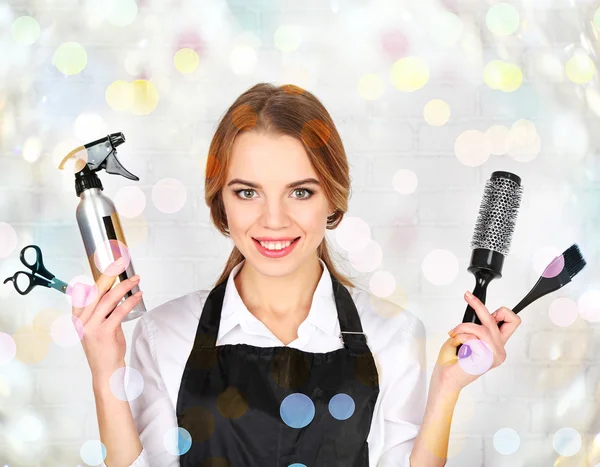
{"x": 103, "y": 340}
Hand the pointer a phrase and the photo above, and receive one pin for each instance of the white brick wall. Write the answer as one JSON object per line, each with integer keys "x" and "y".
{"x": 533, "y": 392}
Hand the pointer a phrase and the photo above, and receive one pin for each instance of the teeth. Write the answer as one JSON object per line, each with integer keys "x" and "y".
{"x": 275, "y": 245}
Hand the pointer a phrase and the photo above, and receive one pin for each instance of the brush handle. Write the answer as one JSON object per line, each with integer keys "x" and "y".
{"x": 482, "y": 279}
{"x": 528, "y": 300}
{"x": 542, "y": 287}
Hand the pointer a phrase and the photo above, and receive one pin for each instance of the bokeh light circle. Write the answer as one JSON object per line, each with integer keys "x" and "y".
{"x": 315, "y": 133}
{"x": 543, "y": 257}
{"x": 93, "y": 452}
{"x": 8, "y": 348}
{"x": 382, "y": 284}
{"x": 130, "y": 201}
{"x": 8, "y": 240}
{"x": 502, "y": 19}
{"x": 119, "y": 95}
{"x": 472, "y": 148}
{"x": 177, "y": 441}
{"x": 366, "y": 259}
{"x": 288, "y": 37}
{"x": 297, "y": 410}
{"x": 169, "y": 195}
{"x": 440, "y": 267}
{"x": 589, "y": 305}
{"x": 596, "y": 19}
{"x": 409, "y": 73}
{"x": 122, "y": 12}
{"x": 394, "y": 43}
{"x": 436, "y": 112}
{"x": 445, "y": 28}
{"x": 232, "y": 403}
{"x": 44, "y": 319}
{"x": 567, "y": 442}
{"x": 554, "y": 268}
{"x": 506, "y": 441}
{"x": 32, "y": 344}
{"x": 67, "y": 330}
{"x": 145, "y": 97}
{"x": 563, "y": 312}
{"x": 341, "y": 406}
{"x": 70, "y": 58}
{"x": 126, "y": 383}
{"x": 502, "y": 76}
{"x": 25, "y": 30}
{"x": 26, "y": 427}
{"x": 353, "y": 233}
{"x": 477, "y": 359}
{"x": 106, "y": 256}
{"x": 498, "y": 139}
{"x": 32, "y": 149}
{"x": 243, "y": 59}
{"x": 405, "y": 181}
{"x": 81, "y": 291}
{"x": 580, "y": 68}
{"x": 570, "y": 135}
{"x": 370, "y": 87}
{"x": 186, "y": 60}
{"x": 89, "y": 127}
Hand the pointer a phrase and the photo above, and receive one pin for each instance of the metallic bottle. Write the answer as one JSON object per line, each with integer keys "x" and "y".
{"x": 98, "y": 220}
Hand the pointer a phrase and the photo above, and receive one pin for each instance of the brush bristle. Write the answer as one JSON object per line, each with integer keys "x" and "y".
{"x": 497, "y": 215}
{"x": 574, "y": 261}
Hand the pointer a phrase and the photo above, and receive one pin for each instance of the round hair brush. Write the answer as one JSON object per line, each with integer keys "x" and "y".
{"x": 493, "y": 234}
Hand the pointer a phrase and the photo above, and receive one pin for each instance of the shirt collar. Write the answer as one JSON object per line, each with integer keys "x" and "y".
{"x": 323, "y": 310}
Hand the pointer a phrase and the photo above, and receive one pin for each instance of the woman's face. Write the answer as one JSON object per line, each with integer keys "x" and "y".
{"x": 265, "y": 206}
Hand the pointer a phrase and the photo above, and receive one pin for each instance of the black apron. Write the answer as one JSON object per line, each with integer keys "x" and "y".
{"x": 248, "y": 406}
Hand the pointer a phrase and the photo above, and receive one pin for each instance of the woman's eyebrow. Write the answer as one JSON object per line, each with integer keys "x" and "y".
{"x": 289, "y": 185}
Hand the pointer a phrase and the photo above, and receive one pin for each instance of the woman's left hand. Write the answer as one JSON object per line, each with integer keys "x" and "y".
{"x": 450, "y": 372}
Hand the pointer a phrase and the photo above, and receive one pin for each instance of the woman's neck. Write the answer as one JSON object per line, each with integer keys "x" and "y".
{"x": 282, "y": 298}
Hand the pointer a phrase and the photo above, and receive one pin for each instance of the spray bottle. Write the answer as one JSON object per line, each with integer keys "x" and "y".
{"x": 98, "y": 220}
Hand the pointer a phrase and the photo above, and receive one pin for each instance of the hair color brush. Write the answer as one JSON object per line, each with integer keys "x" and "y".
{"x": 557, "y": 274}
{"x": 493, "y": 234}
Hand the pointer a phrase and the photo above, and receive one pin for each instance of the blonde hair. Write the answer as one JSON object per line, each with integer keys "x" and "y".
{"x": 280, "y": 110}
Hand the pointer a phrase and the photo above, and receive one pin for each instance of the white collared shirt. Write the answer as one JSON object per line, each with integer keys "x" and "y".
{"x": 163, "y": 338}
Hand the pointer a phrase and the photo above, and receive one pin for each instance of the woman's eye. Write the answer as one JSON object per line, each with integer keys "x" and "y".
{"x": 244, "y": 191}
{"x": 307, "y": 191}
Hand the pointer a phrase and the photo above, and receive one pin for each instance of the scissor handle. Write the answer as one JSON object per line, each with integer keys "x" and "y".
{"x": 33, "y": 281}
{"x": 38, "y": 267}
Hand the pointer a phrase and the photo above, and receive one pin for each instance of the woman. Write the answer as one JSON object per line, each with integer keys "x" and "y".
{"x": 284, "y": 362}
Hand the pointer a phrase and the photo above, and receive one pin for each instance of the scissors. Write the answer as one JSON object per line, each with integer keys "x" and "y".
{"x": 31, "y": 280}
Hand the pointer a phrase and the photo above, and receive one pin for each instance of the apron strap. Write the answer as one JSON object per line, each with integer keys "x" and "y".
{"x": 351, "y": 328}
{"x": 208, "y": 328}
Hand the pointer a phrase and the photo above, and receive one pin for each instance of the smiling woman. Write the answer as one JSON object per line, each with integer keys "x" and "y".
{"x": 279, "y": 151}
{"x": 271, "y": 366}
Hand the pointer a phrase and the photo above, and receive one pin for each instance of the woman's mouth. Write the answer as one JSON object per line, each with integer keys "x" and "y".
{"x": 276, "y": 253}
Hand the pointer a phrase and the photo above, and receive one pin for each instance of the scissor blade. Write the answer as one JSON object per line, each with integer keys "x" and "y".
{"x": 58, "y": 285}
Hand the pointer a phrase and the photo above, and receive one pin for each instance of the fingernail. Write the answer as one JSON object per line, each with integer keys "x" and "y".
{"x": 451, "y": 333}
{"x": 464, "y": 351}
{"x": 139, "y": 294}
{"x": 469, "y": 294}
{"x": 135, "y": 278}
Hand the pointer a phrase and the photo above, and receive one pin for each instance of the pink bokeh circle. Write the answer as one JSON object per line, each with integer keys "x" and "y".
{"x": 106, "y": 256}
{"x": 477, "y": 358}
{"x": 81, "y": 291}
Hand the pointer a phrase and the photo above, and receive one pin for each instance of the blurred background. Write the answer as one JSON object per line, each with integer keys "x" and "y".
{"x": 429, "y": 97}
